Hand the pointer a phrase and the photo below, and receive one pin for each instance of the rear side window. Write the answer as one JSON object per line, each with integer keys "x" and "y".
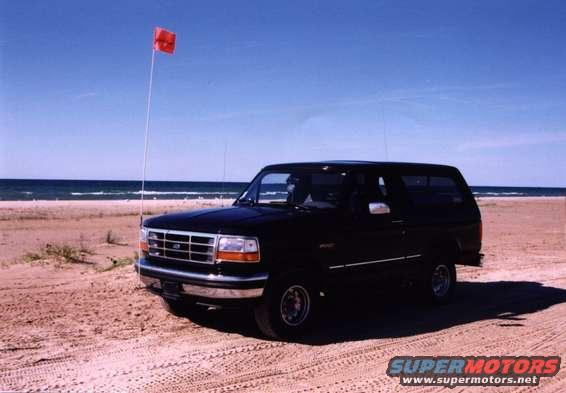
{"x": 445, "y": 188}
{"x": 433, "y": 190}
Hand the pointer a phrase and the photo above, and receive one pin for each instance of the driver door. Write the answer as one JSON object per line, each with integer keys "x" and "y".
{"x": 373, "y": 248}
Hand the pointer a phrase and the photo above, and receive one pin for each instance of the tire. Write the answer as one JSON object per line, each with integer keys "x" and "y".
{"x": 288, "y": 307}
{"x": 181, "y": 307}
{"x": 439, "y": 281}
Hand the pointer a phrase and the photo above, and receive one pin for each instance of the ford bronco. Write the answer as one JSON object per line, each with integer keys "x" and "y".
{"x": 299, "y": 231}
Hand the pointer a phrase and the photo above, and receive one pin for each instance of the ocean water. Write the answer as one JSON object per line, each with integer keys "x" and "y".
{"x": 27, "y": 190}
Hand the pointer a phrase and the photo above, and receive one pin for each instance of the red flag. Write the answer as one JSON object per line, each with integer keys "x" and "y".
{"x": 163, "y": 40}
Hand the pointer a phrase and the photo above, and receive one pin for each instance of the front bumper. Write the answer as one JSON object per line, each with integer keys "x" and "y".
{"x": 202, "y": 285}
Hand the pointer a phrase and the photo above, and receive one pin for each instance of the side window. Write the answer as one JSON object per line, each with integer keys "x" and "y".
{"x": 327, "y": 187}
{"x": 360, "y": 180}
{"x": 417, "y": 188}
{"x": 432, "y": 190}
{"x": 382, "y": 187}
{"x": 445, "y": 189}
{"x": 322, "y": 190}
{"x": 415, "y": 182}
{"x": 379, "y": 188}
{"x": 273, "y": 187}
{"x": 371, "y": 187}
{"x": 360, "y": 194}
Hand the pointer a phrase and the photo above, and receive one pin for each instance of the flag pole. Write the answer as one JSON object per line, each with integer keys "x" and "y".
{"x": 145, "y": 151}
{"x": 146, "y": 143}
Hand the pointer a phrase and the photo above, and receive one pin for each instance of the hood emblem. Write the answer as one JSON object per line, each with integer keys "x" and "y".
{"x": 176, "y": 246}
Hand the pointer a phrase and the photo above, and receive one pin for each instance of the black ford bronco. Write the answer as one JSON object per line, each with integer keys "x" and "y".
{"x": 301, "y": 230}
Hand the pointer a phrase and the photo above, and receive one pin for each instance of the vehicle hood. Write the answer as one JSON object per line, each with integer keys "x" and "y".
{"x": 230, "y": 220}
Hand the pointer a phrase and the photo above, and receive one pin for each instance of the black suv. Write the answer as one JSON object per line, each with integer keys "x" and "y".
{"x": 301, "y": 230}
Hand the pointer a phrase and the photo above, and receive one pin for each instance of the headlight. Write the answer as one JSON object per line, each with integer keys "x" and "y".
{"x": 237, "y": 249}
{"x": 143, "y": 239}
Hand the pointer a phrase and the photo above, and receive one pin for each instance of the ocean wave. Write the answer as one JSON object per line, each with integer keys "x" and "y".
{"x": 498, "y": 193}
{"x": 98, "y": 193}
{"x": 149, "y": 192}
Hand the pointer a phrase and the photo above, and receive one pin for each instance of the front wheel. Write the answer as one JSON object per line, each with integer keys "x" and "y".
{"x": 439, "y": 282}
{"x": 288, "y": 307}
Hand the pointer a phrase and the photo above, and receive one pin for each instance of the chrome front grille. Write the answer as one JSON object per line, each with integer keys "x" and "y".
{"x": 182, "y": 246}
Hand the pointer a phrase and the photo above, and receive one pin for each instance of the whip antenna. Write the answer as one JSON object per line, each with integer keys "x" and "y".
{"x": 223, "y": 173}
{"x": 384, "y": 130}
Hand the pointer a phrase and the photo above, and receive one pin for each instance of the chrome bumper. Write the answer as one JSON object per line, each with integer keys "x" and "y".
{"x": 212, "y": 286}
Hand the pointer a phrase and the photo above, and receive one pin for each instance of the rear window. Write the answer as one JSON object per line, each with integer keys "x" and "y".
{"x": 433, "y": 190}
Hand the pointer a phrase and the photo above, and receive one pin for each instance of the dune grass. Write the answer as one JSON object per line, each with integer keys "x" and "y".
{"x": 61, "y": 252}
{"x": 119, "y": 262}
{"x": 111, "y": 238}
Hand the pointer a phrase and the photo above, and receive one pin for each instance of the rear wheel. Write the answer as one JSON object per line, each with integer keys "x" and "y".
{"x": 288, "y": 307}
{"x": 439, "y": 281}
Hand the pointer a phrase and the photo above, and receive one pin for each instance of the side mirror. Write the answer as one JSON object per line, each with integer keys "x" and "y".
{"x": 379, "y": 208}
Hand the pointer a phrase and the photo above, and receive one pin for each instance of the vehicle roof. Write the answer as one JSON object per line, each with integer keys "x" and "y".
{"x": 350, "y": 164}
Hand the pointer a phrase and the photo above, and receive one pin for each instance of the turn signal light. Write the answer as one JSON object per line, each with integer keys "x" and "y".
{"x": 143, "y": 240}
{"x": 237, "y": 256}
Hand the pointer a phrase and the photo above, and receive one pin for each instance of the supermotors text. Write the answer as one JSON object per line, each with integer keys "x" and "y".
{"x": 454, "y": 371}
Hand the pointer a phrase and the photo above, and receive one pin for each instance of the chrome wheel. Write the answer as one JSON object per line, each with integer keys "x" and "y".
{"x": 295, "y": 305}
{"x": 441, "y": 280}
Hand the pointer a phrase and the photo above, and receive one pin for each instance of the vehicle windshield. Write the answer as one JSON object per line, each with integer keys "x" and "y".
{"x": 297, "y": 188}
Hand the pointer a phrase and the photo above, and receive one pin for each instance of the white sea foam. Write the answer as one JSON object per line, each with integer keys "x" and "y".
{"x": 499, "y": 193}
{"x": 149, "y": 192}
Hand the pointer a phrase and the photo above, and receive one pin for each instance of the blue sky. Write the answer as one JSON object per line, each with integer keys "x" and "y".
{"x": 479, "y": 85}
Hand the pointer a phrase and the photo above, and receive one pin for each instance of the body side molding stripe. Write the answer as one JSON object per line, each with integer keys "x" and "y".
{"x": 378, "y": 261}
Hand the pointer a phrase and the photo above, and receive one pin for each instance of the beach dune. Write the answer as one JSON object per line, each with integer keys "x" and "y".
{"x": 75, "y": 318}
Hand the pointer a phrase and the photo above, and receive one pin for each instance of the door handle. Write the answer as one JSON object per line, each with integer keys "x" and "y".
{"x": 397, "y": 221}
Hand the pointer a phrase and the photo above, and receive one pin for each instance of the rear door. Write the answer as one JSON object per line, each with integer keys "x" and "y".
{"x": 438, "y": 212}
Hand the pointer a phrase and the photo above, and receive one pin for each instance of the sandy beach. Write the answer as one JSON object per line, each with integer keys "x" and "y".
{"x": 84, "y": 324}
